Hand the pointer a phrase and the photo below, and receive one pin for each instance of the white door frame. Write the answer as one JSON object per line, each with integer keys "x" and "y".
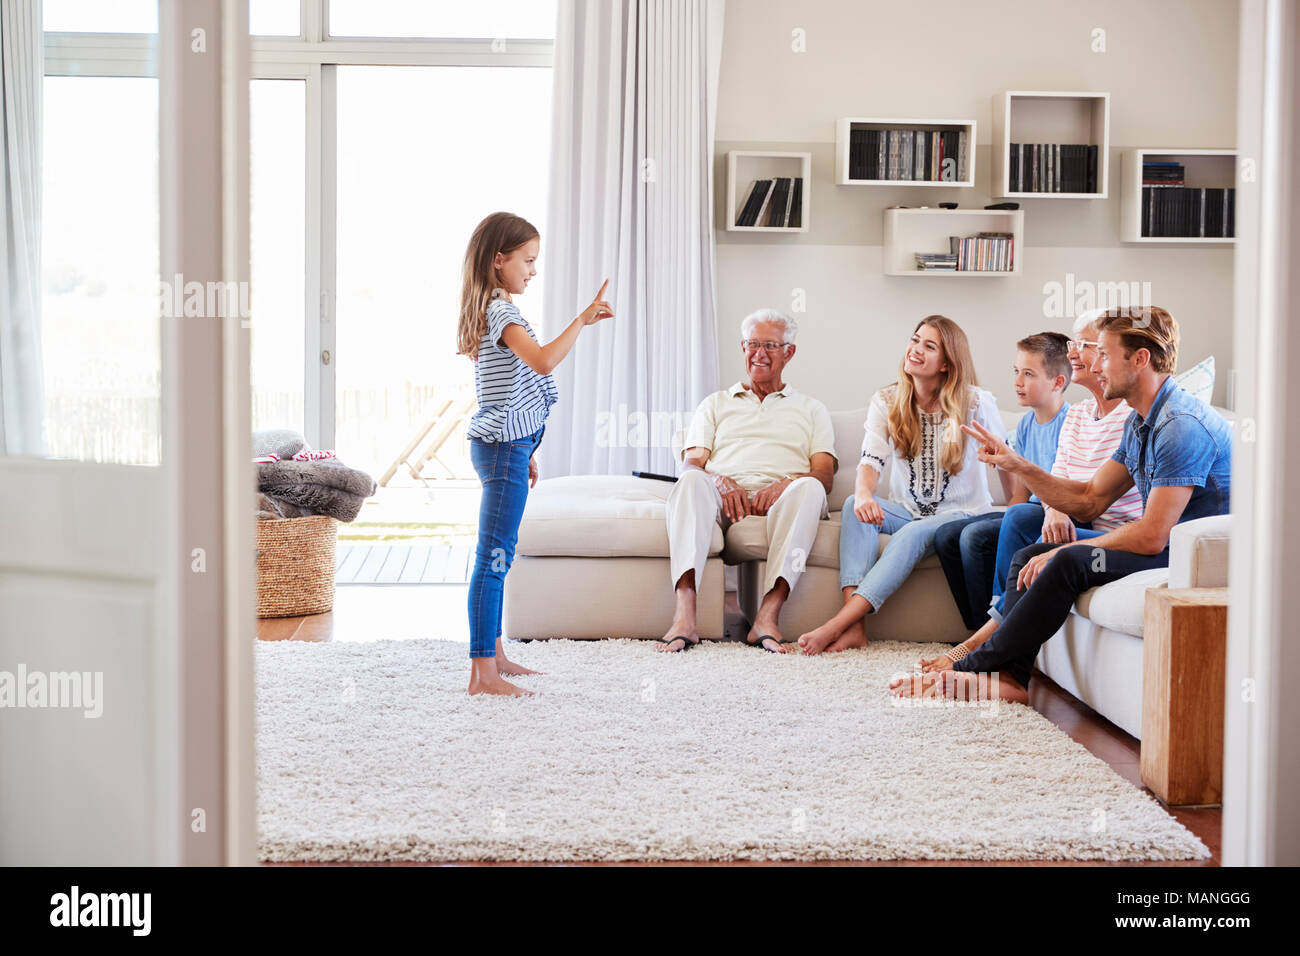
{"x": 206, "y": 416}
{"x": 1261, "y": 775}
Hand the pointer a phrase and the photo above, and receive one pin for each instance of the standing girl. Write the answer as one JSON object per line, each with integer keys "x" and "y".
{"x": 512, "y": 378}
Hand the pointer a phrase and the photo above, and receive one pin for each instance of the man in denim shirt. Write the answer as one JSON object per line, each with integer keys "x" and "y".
{"x": 1175, "y": 448}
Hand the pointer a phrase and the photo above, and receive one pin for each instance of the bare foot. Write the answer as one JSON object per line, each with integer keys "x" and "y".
{"x": 818, "y": 639}
{"x": 961, "y": 685}
{"x": 855, "y": 635}
{"x": 485, "y": 678}
{"x": 498, "y": 685}
{"x": 945, "y": 661}
{"x": 507, "y": 666}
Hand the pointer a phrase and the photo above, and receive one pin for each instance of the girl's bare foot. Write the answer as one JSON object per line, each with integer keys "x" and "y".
{"x": 818, "y": 639}
{"x": 945, "y": 661}
{"x": 507, "y": 666}
{"x": 484, "y": 678}
{"x": 855, "y": 635}
{"x": 514, "y": 670}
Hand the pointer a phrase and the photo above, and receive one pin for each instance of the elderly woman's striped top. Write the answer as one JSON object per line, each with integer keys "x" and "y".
{"x": 513, "y": 399}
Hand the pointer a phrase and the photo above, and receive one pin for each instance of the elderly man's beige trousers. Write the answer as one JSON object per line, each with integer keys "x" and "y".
{"x": 695, "y": 506}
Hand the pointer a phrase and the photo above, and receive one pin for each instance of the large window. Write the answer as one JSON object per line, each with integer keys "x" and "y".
{"x": 99, "y": 250}
{"x": 277, "y": 240}
{"x": 481, "y": 19}
{"x": 371, "y": 161}
{"x": 265, "y": 17}
{"x": 100, "y": 16}
{"x": 424, "y": 154}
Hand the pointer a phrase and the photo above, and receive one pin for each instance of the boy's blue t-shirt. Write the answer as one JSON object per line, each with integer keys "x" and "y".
{"x": 1038, "y": 442}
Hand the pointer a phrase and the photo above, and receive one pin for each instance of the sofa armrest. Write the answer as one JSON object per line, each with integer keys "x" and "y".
{"x": 1198, "y": 553}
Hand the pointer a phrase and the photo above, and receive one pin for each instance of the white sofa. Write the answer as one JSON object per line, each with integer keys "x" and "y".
{"x": 592, "y": 561}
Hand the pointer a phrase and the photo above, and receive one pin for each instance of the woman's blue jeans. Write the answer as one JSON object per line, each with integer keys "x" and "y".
{"x": 911, "y": 540}
{"x": 503, "y": 469}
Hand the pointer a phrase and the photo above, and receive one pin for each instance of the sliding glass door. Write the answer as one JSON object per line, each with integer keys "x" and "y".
{"x": 277, "y": 250}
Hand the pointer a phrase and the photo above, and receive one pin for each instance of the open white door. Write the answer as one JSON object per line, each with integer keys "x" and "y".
{"x": 126, "y": 591}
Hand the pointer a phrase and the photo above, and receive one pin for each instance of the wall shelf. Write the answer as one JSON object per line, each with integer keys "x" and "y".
{"x": 1025, "y": 116}
{"x": 843, "y": 141}
{"x": 909, "y": 231}
{"x": 1207, "y": 168}
{"x": 745, "y": 166}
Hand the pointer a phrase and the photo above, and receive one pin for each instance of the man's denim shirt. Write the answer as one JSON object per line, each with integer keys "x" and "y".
{"x": 1181, "y": 442}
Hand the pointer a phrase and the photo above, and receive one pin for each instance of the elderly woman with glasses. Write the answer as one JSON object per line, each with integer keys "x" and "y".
{"x": 1089, "y": 436}
{"x": 758, "y": 448}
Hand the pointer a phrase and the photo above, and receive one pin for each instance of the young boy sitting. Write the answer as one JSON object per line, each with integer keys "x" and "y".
{"x": 967, "y": 548}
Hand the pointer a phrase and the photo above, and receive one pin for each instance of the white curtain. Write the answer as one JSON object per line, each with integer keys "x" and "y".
{"x": 631, "y": 200}
{"x": 22, "y": 69}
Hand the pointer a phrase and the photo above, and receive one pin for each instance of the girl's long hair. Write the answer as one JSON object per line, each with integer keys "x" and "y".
{"x": 499, "y": 232}
{"x": 955, "y": 398}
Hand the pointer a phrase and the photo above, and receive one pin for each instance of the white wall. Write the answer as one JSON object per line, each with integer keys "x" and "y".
{"x": 1171, "y": 70}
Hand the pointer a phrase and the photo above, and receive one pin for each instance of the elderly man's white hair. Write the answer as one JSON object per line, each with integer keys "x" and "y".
{"x": 772, "y": 317}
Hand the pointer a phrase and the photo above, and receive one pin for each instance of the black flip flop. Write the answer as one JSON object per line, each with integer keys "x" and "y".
{"x": 767, "y": 637}
{"x": 678, "y": 637}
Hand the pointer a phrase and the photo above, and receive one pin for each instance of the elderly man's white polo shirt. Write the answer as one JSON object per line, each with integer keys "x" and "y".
{"x": 756, "y": 442}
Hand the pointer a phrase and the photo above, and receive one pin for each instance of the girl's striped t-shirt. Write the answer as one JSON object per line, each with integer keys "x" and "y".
{"x": 1086, "y": 443}
{"x": 513, "y": 399}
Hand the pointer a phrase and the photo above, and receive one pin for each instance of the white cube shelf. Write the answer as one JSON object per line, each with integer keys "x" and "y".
{"x": 745, "y": 166}
{"x": 843, "y": 137}
{"x": 909, "y": 231}
{"x": 1207, "y": 168}
{"x": 1027, "y": 116}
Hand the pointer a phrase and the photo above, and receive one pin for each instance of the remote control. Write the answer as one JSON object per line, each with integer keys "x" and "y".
{"x": 651, "y": 474}
{"x": 1004, "y": 205}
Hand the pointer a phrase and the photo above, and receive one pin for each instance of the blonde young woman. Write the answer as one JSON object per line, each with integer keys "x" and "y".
{"x": 913, "y": 425}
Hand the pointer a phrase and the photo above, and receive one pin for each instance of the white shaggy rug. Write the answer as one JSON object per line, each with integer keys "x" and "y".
{"x": 373, "y": 751}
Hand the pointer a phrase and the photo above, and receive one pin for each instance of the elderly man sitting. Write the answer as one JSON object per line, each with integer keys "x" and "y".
{"x": 757, "y": 448}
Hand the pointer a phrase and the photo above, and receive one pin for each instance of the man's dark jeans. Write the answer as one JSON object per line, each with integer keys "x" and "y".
{"x": 1033, "y": 615}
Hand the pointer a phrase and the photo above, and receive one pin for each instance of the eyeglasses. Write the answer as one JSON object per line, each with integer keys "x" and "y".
{"x": 1078, "y": 346}
{"x": 753, "y": 345}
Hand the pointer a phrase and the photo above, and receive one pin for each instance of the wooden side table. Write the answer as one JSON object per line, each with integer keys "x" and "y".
{"x": 1184, "y": 660}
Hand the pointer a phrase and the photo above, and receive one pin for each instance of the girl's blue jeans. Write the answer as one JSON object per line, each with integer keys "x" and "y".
{"x": 911, "y": 540}
{"x": 503, "y": 469}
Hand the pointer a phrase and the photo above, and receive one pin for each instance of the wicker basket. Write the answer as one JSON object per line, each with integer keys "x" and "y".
{"x": 295, "y": 566}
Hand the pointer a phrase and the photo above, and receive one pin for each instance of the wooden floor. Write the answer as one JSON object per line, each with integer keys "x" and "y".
{"x": 372, "y": 613}
{"x": 403, "y": 563}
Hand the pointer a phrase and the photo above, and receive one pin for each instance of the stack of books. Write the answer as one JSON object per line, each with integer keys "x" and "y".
{"x": 907, "y": 155}
{"x": 1176, "y": 211}
{"x": 1162, "y": 174}
{"x": 936, "y": 261}
{"x": 1052, "y": 168}
{"x": 773, "y": 202}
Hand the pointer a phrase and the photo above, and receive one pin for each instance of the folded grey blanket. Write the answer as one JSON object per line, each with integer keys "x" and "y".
{"x": 281, "y": 442}
{"x": 326, "y": 487}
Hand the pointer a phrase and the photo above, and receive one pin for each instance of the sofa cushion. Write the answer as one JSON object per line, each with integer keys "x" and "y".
{"x": 848, "y": 452}
{"x": 1198, "y": 552}
{"x": 747, "y": 541}
{"x": 599, "y": 516}
{"x": 1121, "y": 605}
